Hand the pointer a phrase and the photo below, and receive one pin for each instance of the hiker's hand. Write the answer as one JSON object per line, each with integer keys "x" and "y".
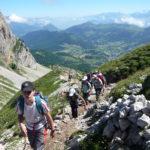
{"x": 23, "y": 129}
{"x": 52, "y": 133}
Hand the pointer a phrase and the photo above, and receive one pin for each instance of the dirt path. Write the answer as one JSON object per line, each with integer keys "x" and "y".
{"x": 58, "y": 142}
{"x": 66, "y": 128}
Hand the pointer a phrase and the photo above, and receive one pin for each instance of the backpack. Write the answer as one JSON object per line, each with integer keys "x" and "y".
{"x": 86, "y": 87}
{"x": 38, "y": 97}
{"x": 98, "y": 83}
{"x": 102, "y": 78}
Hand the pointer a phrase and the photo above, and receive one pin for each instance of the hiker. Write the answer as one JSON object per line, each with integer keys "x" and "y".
{"x": 73, "y": 97}
{"x": 97, "y": 83}
{"x": 89, "y": 78}
{"x": 35, "y": 127}
{"x": 70, "y": 76}
{"x": 103, "y": 79}
{"x": 85, "y": 88}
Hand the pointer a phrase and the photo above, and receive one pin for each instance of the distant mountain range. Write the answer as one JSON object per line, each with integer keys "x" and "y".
{"x": 20, "y": 29}
{"x": 88, "y": 41}
{"x": 141, "y": 19}
{"x": 87, "y": 44}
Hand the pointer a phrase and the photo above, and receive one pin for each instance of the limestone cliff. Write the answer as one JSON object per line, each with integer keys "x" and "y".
{"x": 16, "y": 64}
{"x": 13, "y": 51}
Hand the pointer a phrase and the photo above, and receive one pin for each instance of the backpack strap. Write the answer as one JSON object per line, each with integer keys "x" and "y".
{"x": 39, "y": 104}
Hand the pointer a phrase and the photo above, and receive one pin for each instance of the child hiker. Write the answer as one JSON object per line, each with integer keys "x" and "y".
{"x": 34, "y": 127}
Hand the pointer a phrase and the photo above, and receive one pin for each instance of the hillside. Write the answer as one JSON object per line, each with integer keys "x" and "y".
{"x": 52, "y": 41}
{"x": 16, "y": 63}
{"x": 10, "y": 81}
{"x": 127, "y": 65}
{"x": 87, "y": 43}
{"x": 20, "y": 29}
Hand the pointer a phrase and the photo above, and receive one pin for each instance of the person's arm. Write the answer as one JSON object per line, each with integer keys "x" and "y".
{"x": 22, "y": 125}
{"x": 83, "y": 102}
{"x": 51, "y": 123}
{"x": 63, "y": 93}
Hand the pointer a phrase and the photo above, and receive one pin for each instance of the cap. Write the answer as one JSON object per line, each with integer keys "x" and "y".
{"x": 94, "y": 76}
{"x": 84, "y": 78}
{"x": 27, "y": 86}
{"x": 72, "y": 91}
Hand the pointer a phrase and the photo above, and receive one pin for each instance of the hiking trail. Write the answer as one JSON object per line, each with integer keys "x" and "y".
{"x": 66, "y": 125}
{"x": 66, "y": 128}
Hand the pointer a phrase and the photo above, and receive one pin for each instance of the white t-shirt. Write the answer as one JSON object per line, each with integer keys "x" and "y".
{"x": 34, "y": 120}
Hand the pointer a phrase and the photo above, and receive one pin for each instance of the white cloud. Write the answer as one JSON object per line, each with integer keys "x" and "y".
{"x": 130, "y": 20}
{"x": 15, "y": 18}
{"x": 45, "y": 22}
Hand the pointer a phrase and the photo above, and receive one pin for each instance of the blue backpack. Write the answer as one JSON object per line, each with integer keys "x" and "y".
{"x": 38, "y": 97}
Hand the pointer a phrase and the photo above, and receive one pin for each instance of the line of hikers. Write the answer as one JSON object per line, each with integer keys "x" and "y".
{"x": 33, "y": 108}
{"x": 96, "y": 80}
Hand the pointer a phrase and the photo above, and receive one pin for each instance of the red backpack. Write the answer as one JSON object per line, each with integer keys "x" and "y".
{"x": 102, "y": 78}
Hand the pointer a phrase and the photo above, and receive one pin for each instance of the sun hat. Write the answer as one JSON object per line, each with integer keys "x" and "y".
{"x": 84, "y": 78}
{"x": 72, "y": 91}
{"x": 94, "y": 75}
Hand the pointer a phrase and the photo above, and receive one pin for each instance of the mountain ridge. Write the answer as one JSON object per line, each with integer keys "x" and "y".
{"x": 90, "y": 44}
{"x": 140, "y": 19}
{"x": 16, "y": 63}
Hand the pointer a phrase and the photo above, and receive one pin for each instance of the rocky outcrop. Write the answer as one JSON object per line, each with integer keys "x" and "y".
{"x": 12, "y": 50}
{"x": 128, "y": 119}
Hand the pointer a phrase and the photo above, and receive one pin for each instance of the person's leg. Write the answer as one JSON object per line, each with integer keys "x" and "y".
{"x": 74, "y": 112}
{"x": 85, "y": 96}
{"x": 40, "y": 139}
{"x": 31, "y": 137}
{"x": 97, "y": 93}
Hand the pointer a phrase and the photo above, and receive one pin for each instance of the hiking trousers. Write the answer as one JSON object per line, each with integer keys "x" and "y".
{"x": 74, "y": 112}
{"x": 98, "y": 92}
{"x": 37, "y": 138}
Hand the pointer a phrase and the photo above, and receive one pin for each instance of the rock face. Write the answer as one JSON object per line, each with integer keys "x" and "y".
{"x": 12, "y": 50}
{"x": 16, "y": 64}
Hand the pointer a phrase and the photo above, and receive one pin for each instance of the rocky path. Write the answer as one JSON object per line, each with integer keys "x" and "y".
{"x": 65, "y": 131}
{"x": 67, "y": 126}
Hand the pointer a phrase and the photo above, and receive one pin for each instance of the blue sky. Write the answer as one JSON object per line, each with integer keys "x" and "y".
{"x": 70, "y": 8}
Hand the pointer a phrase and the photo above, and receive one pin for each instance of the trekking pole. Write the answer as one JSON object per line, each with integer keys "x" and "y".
{"x": 25, "y": 143}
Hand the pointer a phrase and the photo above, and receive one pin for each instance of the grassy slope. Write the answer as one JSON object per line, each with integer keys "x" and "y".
{"x": 7, "y": 89}
{"x": 127, "y": 65}
{"x": 121, "y": 87}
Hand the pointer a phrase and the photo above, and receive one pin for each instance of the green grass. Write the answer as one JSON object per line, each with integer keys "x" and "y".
{"x": 127, "y": 65}
{"x": 121, "y": 87}
{"x": 95, "y": 141}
